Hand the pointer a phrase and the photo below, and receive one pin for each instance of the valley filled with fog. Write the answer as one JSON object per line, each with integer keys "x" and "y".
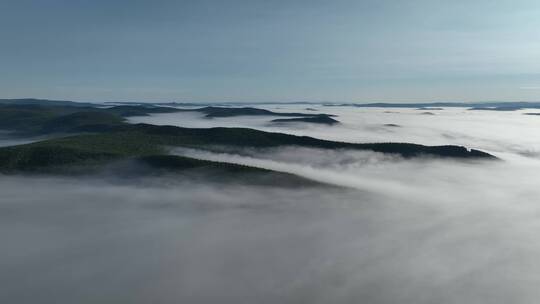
{"x": 492, "y": 131}
{"x": 388, "y": 230}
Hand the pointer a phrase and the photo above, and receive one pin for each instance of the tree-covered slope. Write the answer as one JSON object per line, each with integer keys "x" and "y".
{"x": 39, "y": 119}
{"x": 248, "y": 111}
{"x": 127, "y": 156}
{"x": 113, "y": 139}
{"x": 318, "y": 119}
{"x": 241, "y": 137}
{"x": 130, "y": 141}
{"x": 62, "y": 117}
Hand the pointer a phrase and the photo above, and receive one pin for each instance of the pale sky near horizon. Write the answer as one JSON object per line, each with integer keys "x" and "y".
{"x": 255, "y": 50}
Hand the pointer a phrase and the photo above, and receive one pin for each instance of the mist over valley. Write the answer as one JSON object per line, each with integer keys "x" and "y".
{"x": 134, "y": 213}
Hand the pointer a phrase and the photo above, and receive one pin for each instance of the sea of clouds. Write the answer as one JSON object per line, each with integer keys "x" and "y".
{"x": 395, "y": 231}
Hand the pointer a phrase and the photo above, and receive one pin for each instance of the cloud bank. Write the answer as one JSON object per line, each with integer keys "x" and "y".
{"x": 422, "y": 231}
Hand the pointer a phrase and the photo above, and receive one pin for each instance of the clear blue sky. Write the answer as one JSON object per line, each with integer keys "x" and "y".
{"x": 271, "y": 50}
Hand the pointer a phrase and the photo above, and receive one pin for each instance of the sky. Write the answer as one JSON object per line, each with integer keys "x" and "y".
{"x": 258, "y": 51}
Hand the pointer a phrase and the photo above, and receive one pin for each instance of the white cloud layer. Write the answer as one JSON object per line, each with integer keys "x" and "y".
{"x": 401, "y": 231}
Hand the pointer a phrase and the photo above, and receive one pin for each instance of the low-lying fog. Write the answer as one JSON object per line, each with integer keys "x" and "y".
{"x": 493, "y": 131}
{"x": 400, "y": 231}
{"x": 8, "y": 139}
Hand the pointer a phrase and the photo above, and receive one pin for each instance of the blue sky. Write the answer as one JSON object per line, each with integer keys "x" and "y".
{"x": 240, "y": 50}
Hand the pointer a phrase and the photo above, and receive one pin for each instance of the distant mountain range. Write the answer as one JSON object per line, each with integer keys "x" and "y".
{"x": 488, "y": 105}
{"x": 47, "y": 102}
{"x": 497, "y": 106}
